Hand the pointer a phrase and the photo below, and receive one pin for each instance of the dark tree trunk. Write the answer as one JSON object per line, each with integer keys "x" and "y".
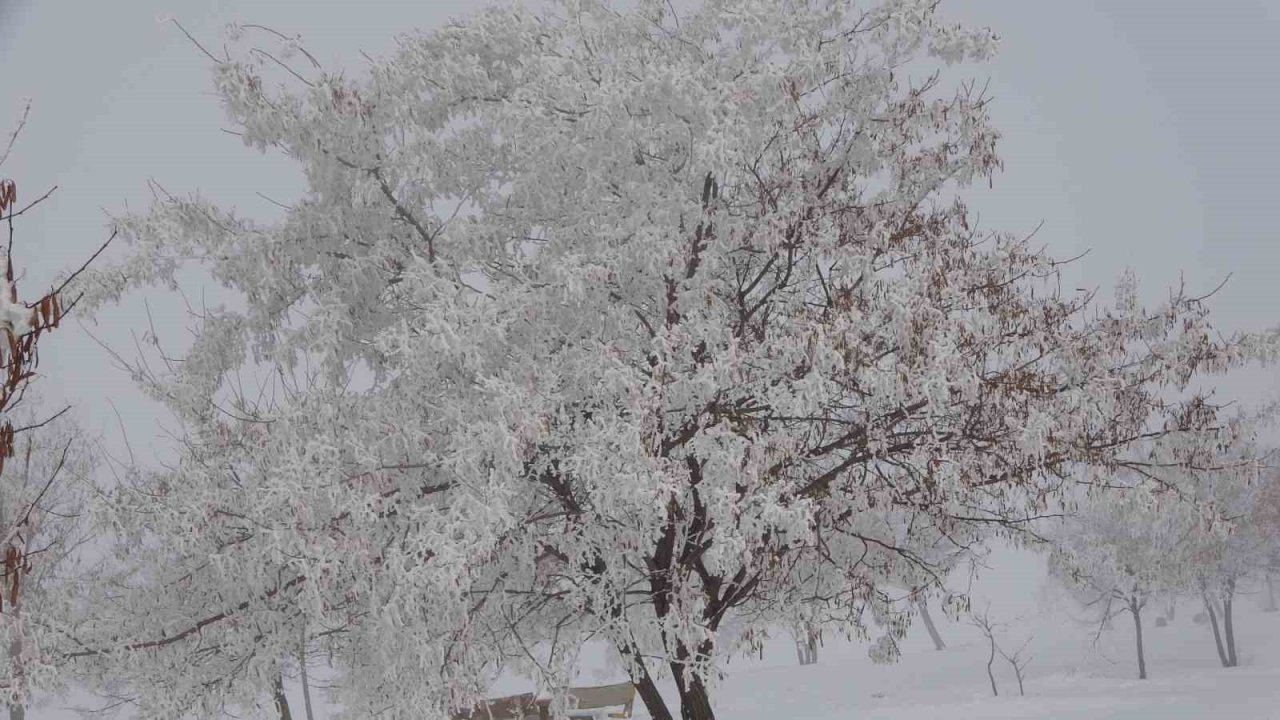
{"x": 928, "y": 624}
{"x": 282, "y": 702}
{"x": 306, "y": 691}
{"x": 1228, "y": 626}
{"x": 991, "y": 659}
{"x": 695, "y": 701}
{"x": 1217, "y": 637}
{"x": 1271, "y": 595}
{"x": 645, "y": 686}
{"x": 1173, "y": 607}
{"x": 1136, "y": 609}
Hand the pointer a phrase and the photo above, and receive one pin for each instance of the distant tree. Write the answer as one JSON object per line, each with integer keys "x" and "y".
{"x": 1198, "y": 531}
{"x": 1265, "y": 518}
{"x": 1119, "y": 550}
{"x": 623, "y": 322}
{"x": 1228, "y": 546}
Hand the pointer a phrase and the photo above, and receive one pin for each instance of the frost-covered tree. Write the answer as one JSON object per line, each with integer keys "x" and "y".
{"x": 1196, "y": 531}
{"x": 46, "y": 499}
{"x": 1265, "y": 517}
{"x": 1119, "y": 550}
{"x": 43, "y": 484}
{"x": 621, "y": 323}
{"x": 1227, "y": 547}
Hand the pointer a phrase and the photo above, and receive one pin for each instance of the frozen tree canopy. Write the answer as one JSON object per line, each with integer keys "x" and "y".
{"x": 603, "y": 321}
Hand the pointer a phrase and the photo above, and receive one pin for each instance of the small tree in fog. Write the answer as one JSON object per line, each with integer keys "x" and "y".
{"x": 1118, "y": 550}
{"x": 1197, "y": 532}
{"x": 1227, "y": 546}
{"x": 1265, "y": 518}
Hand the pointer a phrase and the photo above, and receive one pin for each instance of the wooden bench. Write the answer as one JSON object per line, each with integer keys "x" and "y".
{"x": 594, "y": 702}
{"x": 511, "y": 707}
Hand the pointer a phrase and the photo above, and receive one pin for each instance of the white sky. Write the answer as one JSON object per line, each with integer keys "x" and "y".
{"x": 1146, "y": 132}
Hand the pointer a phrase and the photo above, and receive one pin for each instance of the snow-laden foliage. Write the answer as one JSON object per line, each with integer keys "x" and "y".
{"x": 45, "y": 506}
{"x": 1230, "y": 545}
{"x": 1122, "y": 547}
{"x": 1264, "y": 515}
{"x": 607, "y": 322}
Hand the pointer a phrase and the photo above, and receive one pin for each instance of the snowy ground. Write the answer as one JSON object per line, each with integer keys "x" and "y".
{"x": 1069, "y": 677}
{"x": 1062, "y": 683}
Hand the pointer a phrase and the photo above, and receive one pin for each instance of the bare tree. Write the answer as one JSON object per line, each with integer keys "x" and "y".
{"x": 1017, "y": 659}
{"x": 983, "y": 622}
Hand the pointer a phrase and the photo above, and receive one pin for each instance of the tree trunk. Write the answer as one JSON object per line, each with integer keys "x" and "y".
{"x": 1271, "y": 595}
{"x": 1228, "y": 625}
{"x": 645, "y": 686}
{"x": 1017, "y": 673}
{"x": 1173, "y": 606}
{"x": 991, "y": 659}
{"x": 1217, "y": 637}
{"x": 807, "y": 650}
{"x": 807, "y": 646}
{"x": 653, "y": 701}
{"x": 306, "y": 686}
{"x": 1136, "y": 609}
{"x": 928, "y": 624}
{"x": 17, "y": 711}
{"x": 282, "y": 702}
{"x": 695, "y": 701}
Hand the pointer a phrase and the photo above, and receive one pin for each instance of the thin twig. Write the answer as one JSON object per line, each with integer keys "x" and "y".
{"x": 58, "y": 290}
{"x": 44, "y": 422}
{"x": 196, "y": 42}
{"x": 13, "y": 136}
{"x": 29, "y": 205}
